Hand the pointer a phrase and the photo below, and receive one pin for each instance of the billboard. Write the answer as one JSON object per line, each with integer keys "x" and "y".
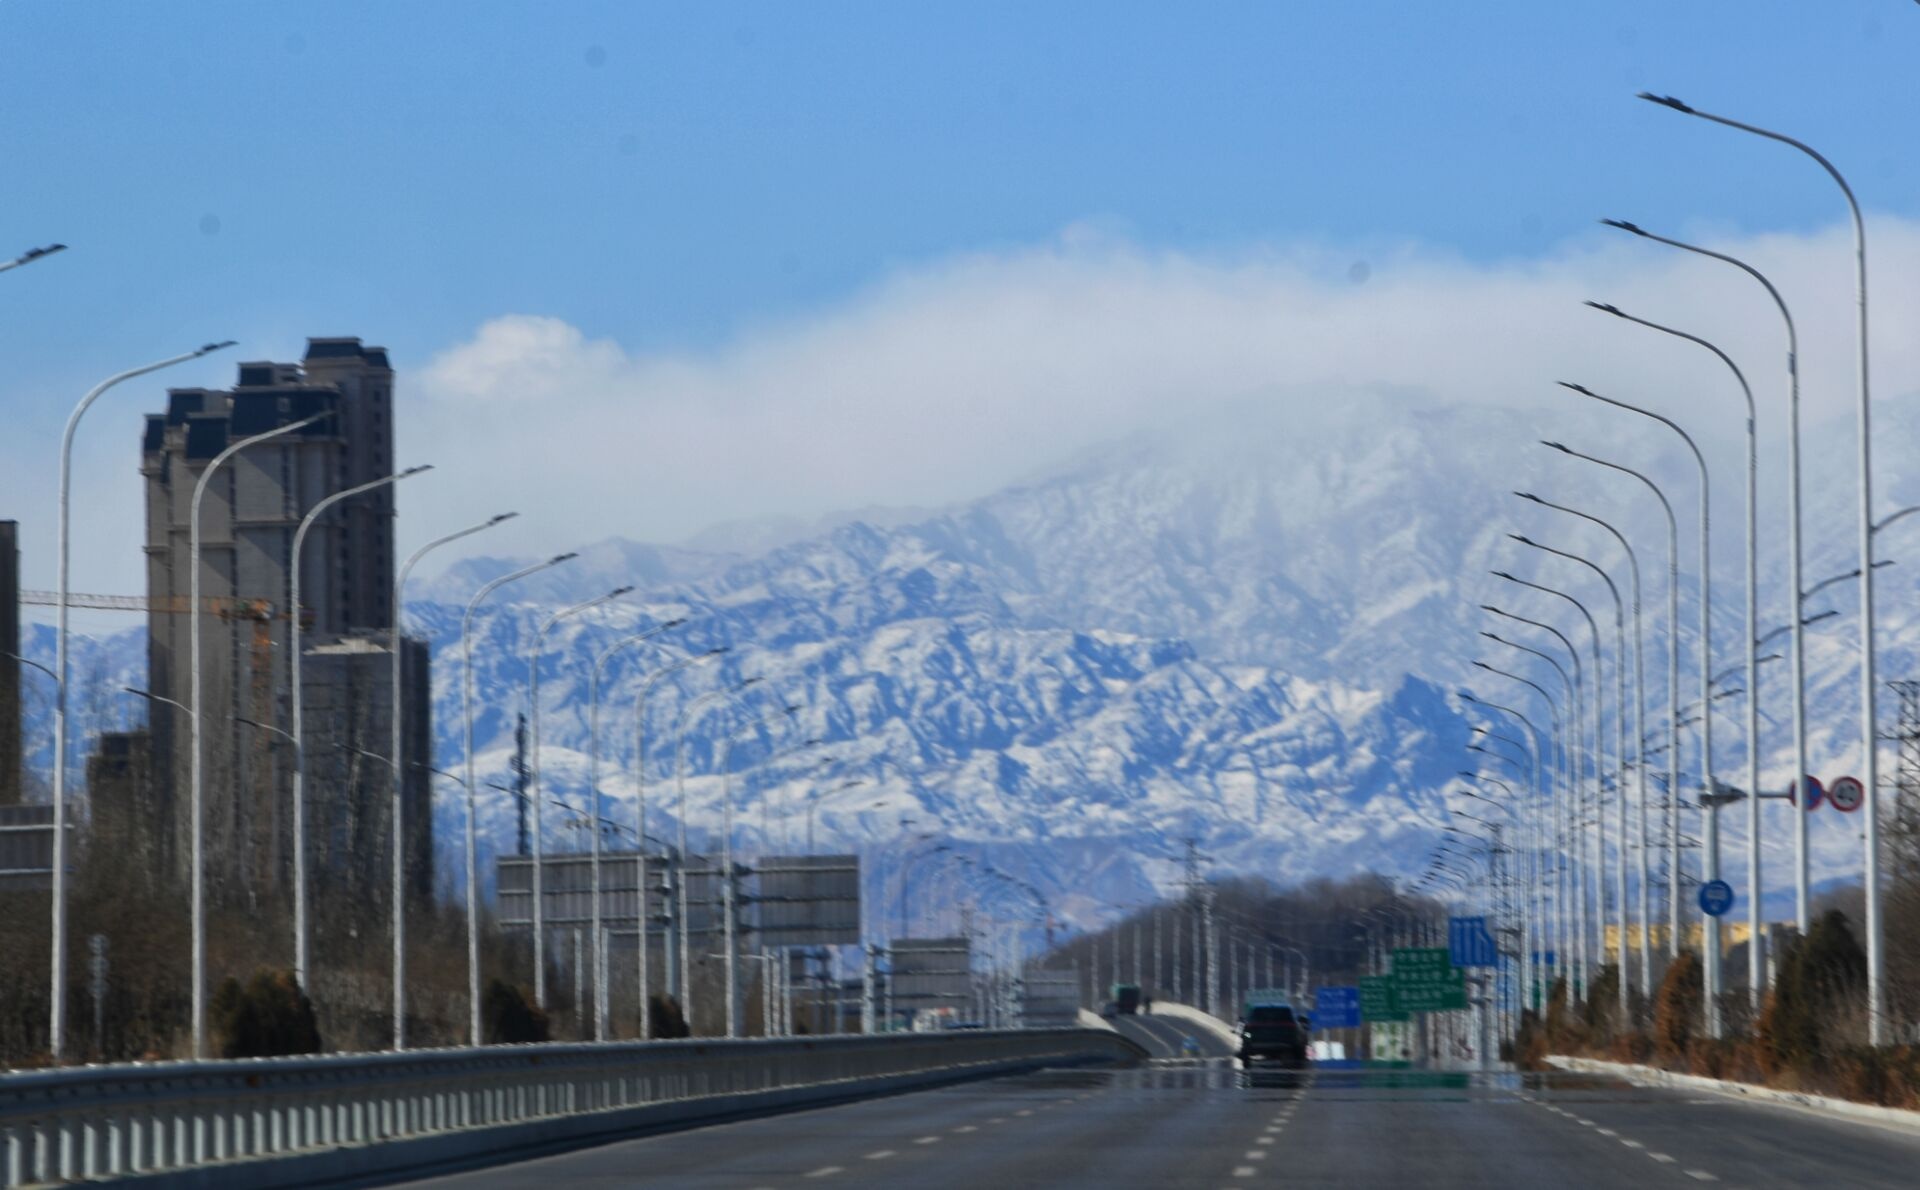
{"x": 566, "y": 891}
{"x": 808, "y": 900}
{"x": 1051, "y": 998}
{"x": 932, "y": 972}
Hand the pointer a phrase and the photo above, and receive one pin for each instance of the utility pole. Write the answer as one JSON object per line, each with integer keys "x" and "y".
{"x": 520, "y": 785}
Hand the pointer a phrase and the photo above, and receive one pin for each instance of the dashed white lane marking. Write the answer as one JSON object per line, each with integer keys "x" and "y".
{"x": 1662, "y": 1158}
{"x": 1701, "y": 1175}
{"x": 825, "y": 1171}
{"x": 1025, "y": 1111}
{"x": 1587, "y": 1122}
{"x": 1264, "y": 1140}
{"x": 1606, "y": 1132}
{"x": 1632, "y": 1144}
{"x": 1243, "y": 1171}
{"x": 926, "y": 1140}
{"x": 1256, "y": 1154}
{"x": 998, "y": 1120}
{"x": 879, "y": 1154}
{"x": 966, "y": 1128}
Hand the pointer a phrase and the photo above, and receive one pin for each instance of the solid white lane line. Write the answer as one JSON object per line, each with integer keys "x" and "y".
{"x": 879, "y": 1154}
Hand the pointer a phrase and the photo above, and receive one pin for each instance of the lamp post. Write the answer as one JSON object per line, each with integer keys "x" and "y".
{"x": 198, "y": 769}
{"x": 397, "y": 813}
{"x": 31, "y": 255}
{"x": 1709, "y": 787}
{"x": 473, "y": 831}
{"x": 598, "y": 965}
{"x": 1802, "y": 891}
{"x": 1620, "y": 755}
{"x": 302, "y": 939}
{"x": 1869, "y": 694}
{"x": 1640, "y": 748}
{"x": 533, "y": 777}
{"x": 57, "y": 1003}
{"x": 640, "y": 825}
{"x": 1543, "y": 788}
{"x": 680, "y": 783}
{"x": 1673, "y": 701}
{"x": 1755, "y": 968}
{"x": 1599, "y": 740}
{"x": 1568, "y": 854}
{"x": 729, "y": 878}
{"x": 1538, "y": 754}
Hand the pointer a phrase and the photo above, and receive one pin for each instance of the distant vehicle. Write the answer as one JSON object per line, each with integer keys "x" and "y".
{"x": 1109, "y": 1010}
{"x": 1271, "y": 1032}
{"x": 1126, "y": 998}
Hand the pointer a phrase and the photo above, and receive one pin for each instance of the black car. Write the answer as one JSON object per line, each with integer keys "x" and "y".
{"x": 1272, "y": 1032}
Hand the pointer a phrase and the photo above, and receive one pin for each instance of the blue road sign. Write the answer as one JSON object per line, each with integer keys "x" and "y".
{"x": 1469, "y": 944}
{"x": 1336, "y": 1008}
{"x": 1716, "y": 897}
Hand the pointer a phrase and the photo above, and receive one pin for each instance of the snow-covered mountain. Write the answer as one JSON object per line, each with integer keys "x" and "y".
{"x": 1244, "y": 634}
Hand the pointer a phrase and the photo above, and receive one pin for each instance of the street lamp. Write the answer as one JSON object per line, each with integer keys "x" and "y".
{"x": 1673, "y": 696}
{"x": 28, "y": 257}
{"x": 301, "y": 937}
{"x": 1620, "y": 725}
{"x": 640, "y": 827}
{"x": 533, "y": 779}
{"x": 1802, "y": 891}
{"x": 473, "y": 831}
{"x": 57, "y": 1004}
{"x": 728, "y": 896}
{"x": 1755, "y": 969}
{"x": 1640, "y": 737}
{"x": 680, "y": 783}
{"x": 1707, "y": 780}
{"x": 1869, "y": 693}
{"x": 593, "y": 794}
{"x": 1598, "y": 760}
{"x": 194, "y": 612}
{"x": 398, "y": 812}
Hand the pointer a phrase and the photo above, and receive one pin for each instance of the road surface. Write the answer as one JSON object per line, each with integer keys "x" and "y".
{"x": 1163, "y": 1036}
{"x": 1205, "y": 1124}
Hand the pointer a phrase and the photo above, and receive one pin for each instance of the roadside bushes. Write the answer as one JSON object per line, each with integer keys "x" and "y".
{"x": 1820, "y": 978}
{"x": 664, "y": 1018}
{"x": 508, "y": 1018}
{"x": 1677, "y": 1009}
{"x": 267, "y": 1018}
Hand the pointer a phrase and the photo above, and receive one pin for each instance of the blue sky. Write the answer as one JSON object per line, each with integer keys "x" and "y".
{"x": 678, "y": 179}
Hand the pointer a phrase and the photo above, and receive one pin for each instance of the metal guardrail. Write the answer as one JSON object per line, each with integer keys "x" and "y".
{"x": 104, "y": 1121}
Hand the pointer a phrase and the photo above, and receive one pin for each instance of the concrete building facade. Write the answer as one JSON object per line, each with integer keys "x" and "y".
{"x": 249, "y": 516}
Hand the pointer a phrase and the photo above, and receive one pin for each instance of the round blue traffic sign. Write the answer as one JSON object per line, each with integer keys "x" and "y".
{"x": 1716, "y": 897}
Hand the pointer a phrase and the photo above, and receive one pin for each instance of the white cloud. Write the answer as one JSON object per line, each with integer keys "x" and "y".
{"x": 947, "y": 380}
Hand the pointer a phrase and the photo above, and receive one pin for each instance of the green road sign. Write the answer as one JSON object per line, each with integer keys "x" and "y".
{"x": 1425, "y": 980}
{"x": 1377, "y": 1001}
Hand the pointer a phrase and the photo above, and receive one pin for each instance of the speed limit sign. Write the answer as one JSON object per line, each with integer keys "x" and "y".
{"x": 1847, "y": 794}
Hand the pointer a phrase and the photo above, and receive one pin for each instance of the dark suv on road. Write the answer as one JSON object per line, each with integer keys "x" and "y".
{"x": 1270, "y": 1032}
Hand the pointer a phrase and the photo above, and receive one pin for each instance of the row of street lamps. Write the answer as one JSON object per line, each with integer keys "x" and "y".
{"x": 1568, "y": 797}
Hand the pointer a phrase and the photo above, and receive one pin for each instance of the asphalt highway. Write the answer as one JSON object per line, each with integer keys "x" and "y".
{"x": 1203, "y": 1123}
